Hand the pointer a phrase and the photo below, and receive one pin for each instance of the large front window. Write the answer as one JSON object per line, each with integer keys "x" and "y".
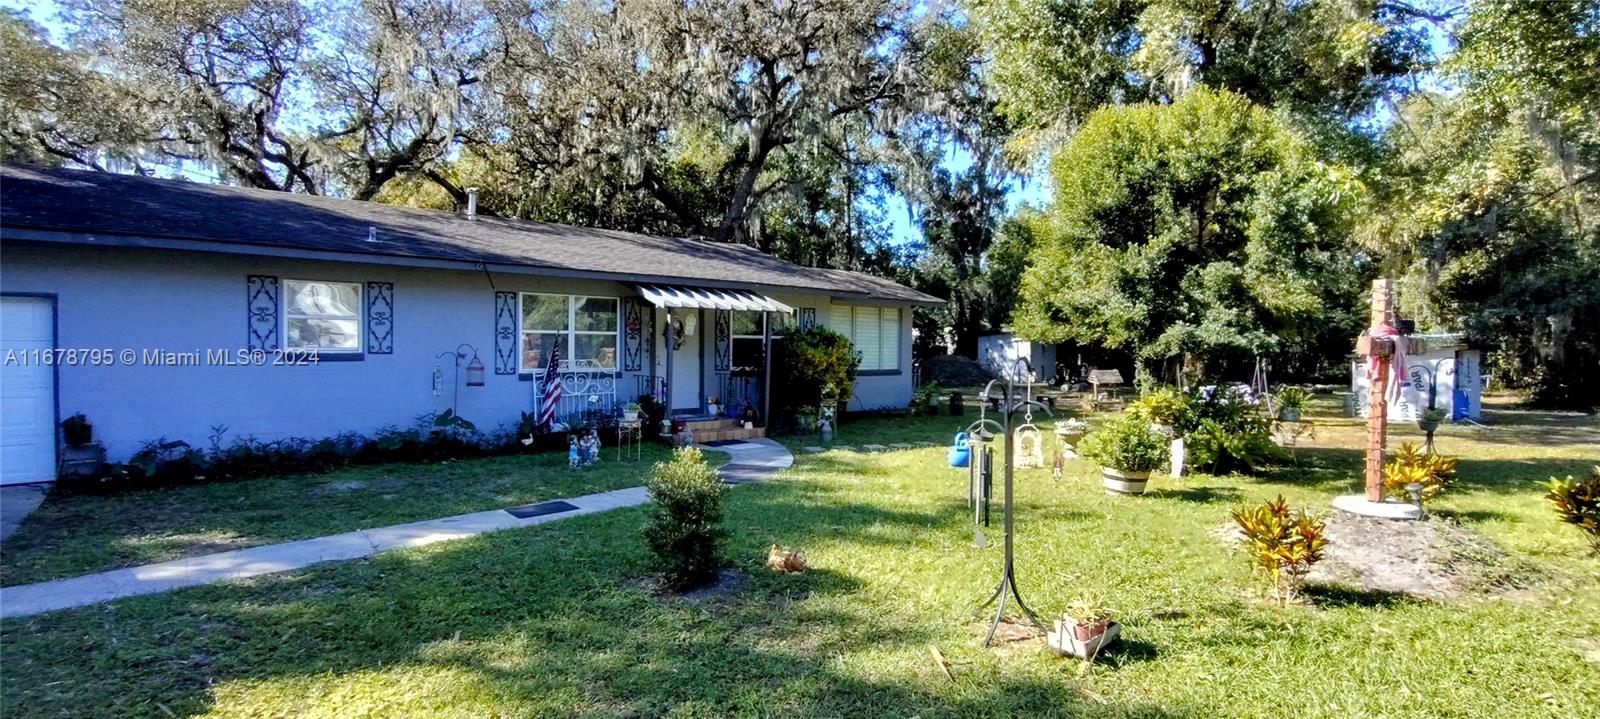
{"x": 322, "y": 316}
{"x": 875, "y": 333}
{"x": 585, "y": 327}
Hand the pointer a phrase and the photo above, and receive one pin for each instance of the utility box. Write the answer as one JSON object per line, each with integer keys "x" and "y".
{"x": 1438, "y": 366}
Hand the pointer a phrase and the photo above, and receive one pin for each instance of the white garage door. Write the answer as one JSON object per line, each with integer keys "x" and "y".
{"x": 27, "y": 391}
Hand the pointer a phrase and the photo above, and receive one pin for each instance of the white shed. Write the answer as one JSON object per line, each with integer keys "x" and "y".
{"x": 998, "y": 353}
{"x": 1443, "y": 362}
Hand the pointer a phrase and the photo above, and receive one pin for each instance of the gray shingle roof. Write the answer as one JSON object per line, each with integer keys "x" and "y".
{"x": 100, "y": 203}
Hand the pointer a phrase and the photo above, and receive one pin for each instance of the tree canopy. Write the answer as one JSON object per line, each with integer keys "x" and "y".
{"x": 1198, "y": 231}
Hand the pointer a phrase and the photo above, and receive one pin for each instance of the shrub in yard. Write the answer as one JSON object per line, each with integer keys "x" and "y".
{"x": 1167, "y": 406}
{"x": 1578, "y": 503}
{"x": 685, "y": 529}
{"x": 1126, "y": 444}
{"x": 1283, "y": 544}
{"x": 1229, "y": 435}
{"x": 1410, "y": 466}
{"x": 806, "y": 362}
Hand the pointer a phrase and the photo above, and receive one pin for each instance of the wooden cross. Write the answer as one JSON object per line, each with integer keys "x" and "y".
{"x": 1377, "y": 403}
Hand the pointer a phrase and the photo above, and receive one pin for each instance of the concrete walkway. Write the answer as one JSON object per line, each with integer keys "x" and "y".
{"x": 751, "y": 461}
{"x": 17, "y": 501}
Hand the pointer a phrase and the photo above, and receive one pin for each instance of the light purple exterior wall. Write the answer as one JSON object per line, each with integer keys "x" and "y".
{"x": 151, "y": 299}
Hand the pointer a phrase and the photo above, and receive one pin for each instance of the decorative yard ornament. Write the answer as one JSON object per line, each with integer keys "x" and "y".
{"x": 1068, "y": 434}
{"x": 960, "y": 453}
{"x": 1030, "y": 446}
{"x": 456, "y": 356}
{"x": 1013, "y": 402}
{"x": 1384, "y": 349}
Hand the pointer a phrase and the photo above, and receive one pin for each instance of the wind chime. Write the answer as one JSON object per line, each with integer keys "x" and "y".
{"x": 1012, "y": 404}
{"x": 980, "y": 471}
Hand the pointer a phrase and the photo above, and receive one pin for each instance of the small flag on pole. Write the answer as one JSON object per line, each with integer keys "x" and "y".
{"x": 550, "y": 387}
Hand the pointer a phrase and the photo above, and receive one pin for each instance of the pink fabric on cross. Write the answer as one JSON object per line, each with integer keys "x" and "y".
{"x": 1397, "y": 362}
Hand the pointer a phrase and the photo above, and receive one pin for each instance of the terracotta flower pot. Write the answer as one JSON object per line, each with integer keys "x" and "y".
{"x": 1085, "y": 632}
{"x": 1119, "y": 482}
{"x": 1065, "y": 641}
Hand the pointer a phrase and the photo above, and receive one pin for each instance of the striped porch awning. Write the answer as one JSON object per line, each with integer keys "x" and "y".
{"x": 674, "y": 296}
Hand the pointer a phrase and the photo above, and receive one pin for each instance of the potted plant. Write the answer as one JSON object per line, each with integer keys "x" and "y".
{"x": 1291, "y": 402}
{"x": 1163, "y": 408}
{"x": 1083, "y": 629}
{"x": 630, "y": 412}
{"x": 77, "y": 431}
{"x": 1430, "y": 419}
{"x": 712, "y": 407}
{"x": 1127, "y": 449}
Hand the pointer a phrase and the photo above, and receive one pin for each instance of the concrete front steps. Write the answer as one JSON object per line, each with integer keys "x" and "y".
{"x": 722, "y": 430}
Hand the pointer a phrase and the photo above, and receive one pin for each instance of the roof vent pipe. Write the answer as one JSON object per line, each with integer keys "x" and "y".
{"x": 472, "y": 203}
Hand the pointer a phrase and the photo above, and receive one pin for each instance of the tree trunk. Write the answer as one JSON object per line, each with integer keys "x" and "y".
{"x": 738, "y": 205}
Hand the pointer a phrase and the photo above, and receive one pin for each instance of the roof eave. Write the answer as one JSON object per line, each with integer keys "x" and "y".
{"x": 51, "y": 236}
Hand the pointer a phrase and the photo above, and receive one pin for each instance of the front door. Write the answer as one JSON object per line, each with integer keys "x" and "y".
{"x": 684, "y": 383}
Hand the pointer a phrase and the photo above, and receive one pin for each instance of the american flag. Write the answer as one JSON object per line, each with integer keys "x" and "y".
{"x": 550, "y": 389}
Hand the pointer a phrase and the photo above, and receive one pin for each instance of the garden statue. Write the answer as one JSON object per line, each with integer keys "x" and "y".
{"x": 583, "y": 448}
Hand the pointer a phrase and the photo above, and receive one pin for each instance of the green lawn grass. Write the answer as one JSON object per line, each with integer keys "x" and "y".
{"x": 72, "y": 535}
{"x": 554, "y": 620}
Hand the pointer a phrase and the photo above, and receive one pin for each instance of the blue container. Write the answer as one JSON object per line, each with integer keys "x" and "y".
{"x": 960, "y": 453}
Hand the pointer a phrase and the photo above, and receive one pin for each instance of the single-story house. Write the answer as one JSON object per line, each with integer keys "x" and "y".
{"x": 164, "y": 308}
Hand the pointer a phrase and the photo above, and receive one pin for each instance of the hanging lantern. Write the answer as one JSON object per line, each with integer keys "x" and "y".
{"x": 475, "y": 371}
{"x": 1030, "y": 447}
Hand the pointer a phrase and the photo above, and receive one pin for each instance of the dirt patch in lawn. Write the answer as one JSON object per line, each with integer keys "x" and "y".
{"x": 729, "y": 582}
{"x": 1435, "y": 558}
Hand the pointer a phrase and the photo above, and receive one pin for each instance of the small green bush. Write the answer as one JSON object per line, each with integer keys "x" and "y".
{"x": 1292, "y": 398}
{"x": 1164, "y": 405}
{"x": 1578, "y": 503}
{"x": 1126, "y": 444}
{"x": 685, "y": 529}
{"x": 806, "y": 362}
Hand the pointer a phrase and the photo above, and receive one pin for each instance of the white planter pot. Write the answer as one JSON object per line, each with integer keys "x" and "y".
{"x": 1065, "y": 642}
{"x": 630, "y": 415}
{"x": 1119, "y": 482}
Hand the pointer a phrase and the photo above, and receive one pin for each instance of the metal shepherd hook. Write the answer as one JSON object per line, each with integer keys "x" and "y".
{"x": 1008, "y": 576}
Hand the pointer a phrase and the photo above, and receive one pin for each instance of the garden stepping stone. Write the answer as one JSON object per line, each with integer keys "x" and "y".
{"x": 900, "y": 445}
{"x": 873, "y": 447}
{"x": 815, "y": 450}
